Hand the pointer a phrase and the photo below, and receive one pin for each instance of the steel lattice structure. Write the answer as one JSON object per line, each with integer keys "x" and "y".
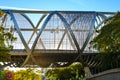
{"x": 59, "y": 37}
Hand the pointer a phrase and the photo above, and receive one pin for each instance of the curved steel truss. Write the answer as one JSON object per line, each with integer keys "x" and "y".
{"x": 57, "y": 37}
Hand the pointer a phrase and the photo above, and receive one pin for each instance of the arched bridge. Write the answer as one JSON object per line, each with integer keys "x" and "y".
{"x": 53, "y": 38}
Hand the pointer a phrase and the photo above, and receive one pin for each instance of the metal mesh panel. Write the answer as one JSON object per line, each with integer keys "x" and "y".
{"x": 56, "y": 33}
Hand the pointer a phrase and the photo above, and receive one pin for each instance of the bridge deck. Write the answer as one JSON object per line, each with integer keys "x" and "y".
{"x": 46, "y": 57}
{"x": 23, "y": 52}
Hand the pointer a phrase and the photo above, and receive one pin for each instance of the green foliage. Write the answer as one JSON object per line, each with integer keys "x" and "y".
{"x": 108, "y": 39}
{"x": 108, "y": 42}
{"x": 72, "y": 72}
{"x": 28, "y": 74}
{"x": 6, "y": 38}
{"x": 1, "y": 13}
{"x": 2, "y": 75}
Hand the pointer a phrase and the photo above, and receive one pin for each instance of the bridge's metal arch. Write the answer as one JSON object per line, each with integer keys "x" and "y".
{"x": 62, "y": 34}
{"x": 22, "y": 38}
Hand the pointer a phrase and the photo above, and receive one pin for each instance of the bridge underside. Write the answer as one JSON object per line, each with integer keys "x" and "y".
{"x": 54, "y": 58}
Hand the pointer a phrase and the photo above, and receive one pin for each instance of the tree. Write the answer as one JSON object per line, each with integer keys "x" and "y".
{"x": 108, "y": 41}
{"x": 1, "y": 13}
{"x": 6, "y": 38}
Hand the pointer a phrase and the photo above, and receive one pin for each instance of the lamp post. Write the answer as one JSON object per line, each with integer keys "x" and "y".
{"x": 54, "y": 31}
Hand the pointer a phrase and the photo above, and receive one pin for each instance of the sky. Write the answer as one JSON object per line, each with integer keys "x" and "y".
{"x": 66, "y": 5}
